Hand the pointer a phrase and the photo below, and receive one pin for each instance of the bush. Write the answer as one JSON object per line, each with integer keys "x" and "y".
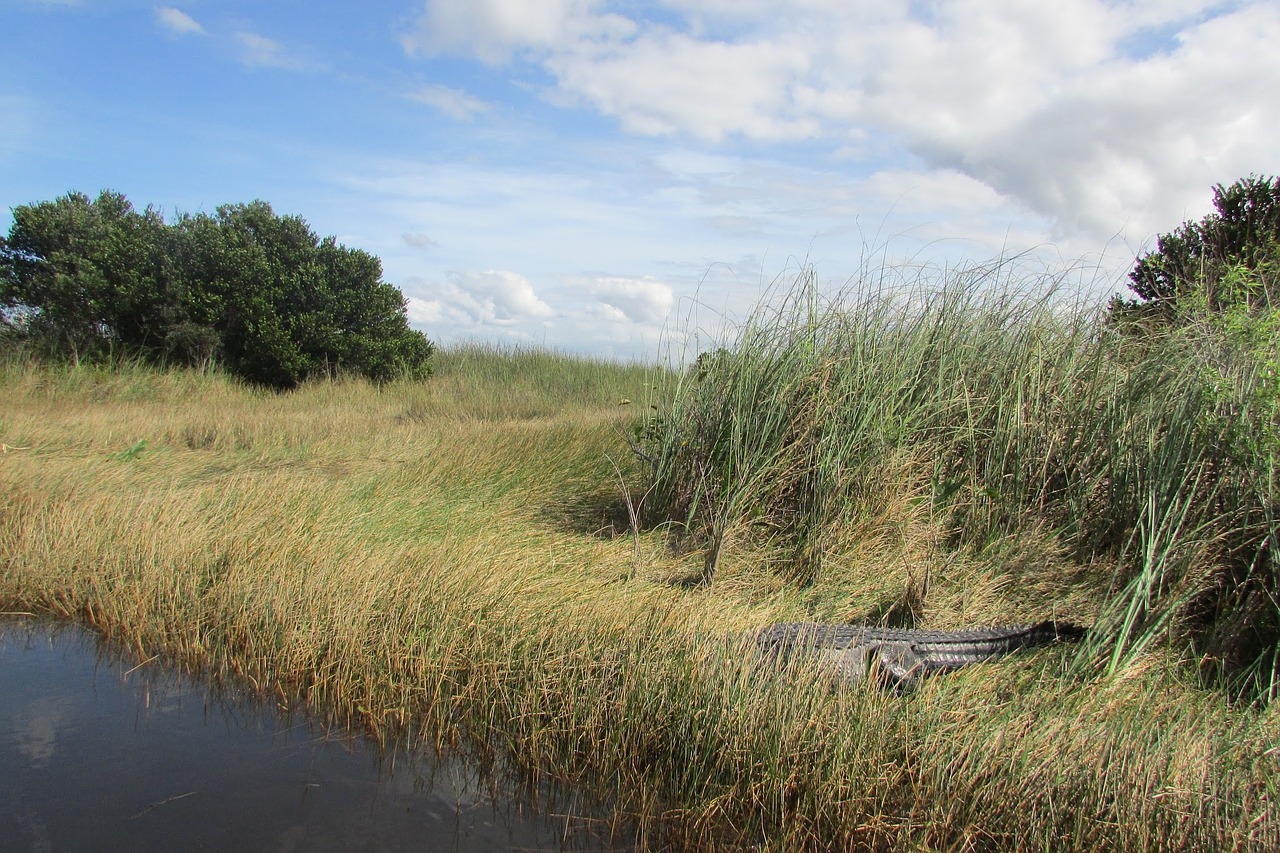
{"x": 259, "y": 293}
{"x": 1199, "y": 259}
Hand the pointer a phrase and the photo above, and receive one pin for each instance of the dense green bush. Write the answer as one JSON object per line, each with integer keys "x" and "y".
{"x": 258, "y": 293}
{"x": 1203, "y": 261}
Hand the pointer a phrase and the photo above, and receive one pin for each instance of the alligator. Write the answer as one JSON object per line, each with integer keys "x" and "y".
{"x": 899, "y": 656}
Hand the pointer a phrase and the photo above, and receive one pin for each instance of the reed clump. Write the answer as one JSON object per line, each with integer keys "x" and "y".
{"x": 452, "y": 562}
{"x": 1070, "y": 465}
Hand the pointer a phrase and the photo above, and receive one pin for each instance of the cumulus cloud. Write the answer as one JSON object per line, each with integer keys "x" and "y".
{"x": 1093, "y": 113}
{"x": 497, "y": 297}
{"x": 636, "y": 300}
{"x": 423, "y": 312}
{"x": 670, "y": 82}
{"x": 1089, "y": 135}
{"x": 454, "y": 103}
{"x": 178, "y": 22}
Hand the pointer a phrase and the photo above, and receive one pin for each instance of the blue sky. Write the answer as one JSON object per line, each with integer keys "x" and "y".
{"x": 579, "y": 173}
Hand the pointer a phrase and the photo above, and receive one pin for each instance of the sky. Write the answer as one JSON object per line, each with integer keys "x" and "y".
{"x": 599, "y": 176}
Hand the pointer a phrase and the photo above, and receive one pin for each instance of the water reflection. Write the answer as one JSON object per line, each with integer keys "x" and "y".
{"x": 102, "y": 754}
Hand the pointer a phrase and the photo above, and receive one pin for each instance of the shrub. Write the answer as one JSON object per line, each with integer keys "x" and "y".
{"x": 1199, "y": 259}
{"x": 259, "y": 293}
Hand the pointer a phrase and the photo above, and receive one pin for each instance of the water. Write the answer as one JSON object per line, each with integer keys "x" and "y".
{"x": 101, "y": 753}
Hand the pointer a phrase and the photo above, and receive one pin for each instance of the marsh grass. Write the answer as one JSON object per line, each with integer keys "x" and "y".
{"x": 417, "y": 560}
{"x": 1084, "y": 468}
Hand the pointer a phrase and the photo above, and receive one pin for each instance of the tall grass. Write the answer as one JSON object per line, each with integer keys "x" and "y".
{"x": 413, "y": 561}
{"x": 1017, "y": 422}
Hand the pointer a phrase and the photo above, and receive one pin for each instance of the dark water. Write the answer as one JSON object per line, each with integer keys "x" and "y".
{"x": 99, "y": 753}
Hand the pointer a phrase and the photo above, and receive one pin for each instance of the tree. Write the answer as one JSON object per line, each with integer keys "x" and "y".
{"x": 1242, "y": 235}
{"x": 81, "y": 277}
{"x": 260, "y": 293}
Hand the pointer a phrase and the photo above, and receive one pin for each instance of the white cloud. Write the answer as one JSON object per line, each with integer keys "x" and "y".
{"x": 260, "y": 51}
{"x": 1096, "y": 114}
{"x": 492, "y": 30}
{"x": 423, "y": 311}
{"x": 454, "y": 103}
{"x": 637, "y": 300}
{"x": 497, "y": 297}
{"x": 721, "y": 225}
{"x": 667, "y": 82}
{"x": 1093, "y": 140}
{"x": 178, "y": 22}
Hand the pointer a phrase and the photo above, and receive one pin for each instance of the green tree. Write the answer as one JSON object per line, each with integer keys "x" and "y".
{"x": 363, "y": 323}
{"x": 256, "y": 267}
{"x": 260, "y": 293}
{"x": 82, "y": 278}
{"x": 1193, "y": 261}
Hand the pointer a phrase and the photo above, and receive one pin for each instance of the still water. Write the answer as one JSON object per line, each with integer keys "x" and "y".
{"x": 101, "y": 753}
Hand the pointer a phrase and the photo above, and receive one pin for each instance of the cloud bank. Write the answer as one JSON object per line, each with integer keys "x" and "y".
{"x": 1095, "y": 115}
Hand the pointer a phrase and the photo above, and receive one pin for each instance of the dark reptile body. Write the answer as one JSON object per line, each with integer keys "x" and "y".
{"x": 903, "y": 654}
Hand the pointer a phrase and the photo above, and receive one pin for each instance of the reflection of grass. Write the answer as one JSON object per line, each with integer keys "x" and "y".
{"x": 428, "y": 557}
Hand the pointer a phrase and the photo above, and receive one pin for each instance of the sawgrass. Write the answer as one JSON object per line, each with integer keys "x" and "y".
{"x": 1018, "y": 455}
{"x": 452, "y": 563}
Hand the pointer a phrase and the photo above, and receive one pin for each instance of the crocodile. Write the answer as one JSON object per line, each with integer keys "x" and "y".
{"x": 899, "y": 656}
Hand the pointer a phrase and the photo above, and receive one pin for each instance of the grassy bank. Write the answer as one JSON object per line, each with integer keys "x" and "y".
{"x": 1025, "y": 453}
{"x": 453, "y": 560}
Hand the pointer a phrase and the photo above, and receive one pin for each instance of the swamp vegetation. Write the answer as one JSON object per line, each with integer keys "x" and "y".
{"x": 454, "y": 562}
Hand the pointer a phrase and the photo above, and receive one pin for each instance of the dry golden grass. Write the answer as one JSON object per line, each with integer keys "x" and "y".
{"x": 450, "y": 561}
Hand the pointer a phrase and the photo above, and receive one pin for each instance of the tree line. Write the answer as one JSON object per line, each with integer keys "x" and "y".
{"x": 256, "y": 293}
{"x": 265, "y": 298}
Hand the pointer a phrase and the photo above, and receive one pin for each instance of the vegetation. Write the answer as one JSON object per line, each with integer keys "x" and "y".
{"x": 1002, "y": 427}
{"x": 257, "y": 293}
{"x": 452, "y": 562}
{"x": 552, "y": 563}
{"x": 1205, "y": 263}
